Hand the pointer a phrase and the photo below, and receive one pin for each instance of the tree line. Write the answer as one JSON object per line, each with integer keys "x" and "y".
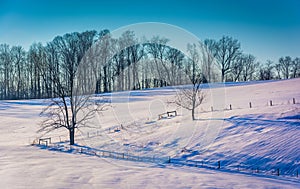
{"x": 127, "y": 63}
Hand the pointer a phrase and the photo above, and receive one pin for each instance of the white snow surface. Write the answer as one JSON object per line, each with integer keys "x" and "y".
{"x": 245, "y": 140}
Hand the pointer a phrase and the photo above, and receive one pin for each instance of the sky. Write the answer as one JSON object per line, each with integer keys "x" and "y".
{"x": 268, "y": 29}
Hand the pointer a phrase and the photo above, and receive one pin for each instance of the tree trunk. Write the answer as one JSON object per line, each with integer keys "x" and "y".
{"x": 223, "y": 75}
{"x": 194, "y": 105}
{"x": 193, "y": 113}
{"x": 72, "y": 137}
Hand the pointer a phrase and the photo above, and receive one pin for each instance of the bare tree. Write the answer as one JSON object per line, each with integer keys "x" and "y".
{"x": 36, "y": 58}
{"x": 74, "y": 104}
{"x": 137, "y": 53}
{"x": 175, "y": 66}
{"x": 191, "y": 98}
{"x": 157, "y": 48}
{"x": 18, "y": 59}
{"x": 296, "y": 68}
{"x": 249, "y": 67}
{"x": 99, "y": 60}
{"x": 226, "y": 50}
{"x": 285, "y": 64}
{"x": 6, "y": 69}
{"x": 119, "y": 63}
{"x": 278, "y": 70}
{"x": 126, "y": 43}
{"x": 208, "y": 67}
{"x": 266, "y": 71}
{"x": 237, "y": 68}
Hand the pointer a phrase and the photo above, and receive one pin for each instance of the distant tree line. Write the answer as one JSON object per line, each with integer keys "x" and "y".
{"x": 128, "y": 63}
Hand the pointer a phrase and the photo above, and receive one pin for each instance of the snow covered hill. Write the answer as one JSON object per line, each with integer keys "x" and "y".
{"x": 263, "y": 139}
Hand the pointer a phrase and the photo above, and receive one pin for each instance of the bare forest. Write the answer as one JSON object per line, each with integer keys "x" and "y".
{"x": 127, "y": 63}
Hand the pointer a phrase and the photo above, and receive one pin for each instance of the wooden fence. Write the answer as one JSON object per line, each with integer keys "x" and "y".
{"x": 274, "y": 171}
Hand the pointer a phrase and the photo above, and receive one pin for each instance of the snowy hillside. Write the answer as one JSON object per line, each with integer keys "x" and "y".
{"x": 263, "y": 140}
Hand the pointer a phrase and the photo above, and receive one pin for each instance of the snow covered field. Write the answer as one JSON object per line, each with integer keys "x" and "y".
{"x": 262, "y": 138}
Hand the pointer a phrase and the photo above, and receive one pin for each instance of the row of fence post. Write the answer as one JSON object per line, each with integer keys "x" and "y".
{"x": 257, "y": 170}
{"x": 250, "y": 104}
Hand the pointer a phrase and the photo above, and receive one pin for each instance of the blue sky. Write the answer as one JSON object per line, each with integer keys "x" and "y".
{"x": 267, "y": 29}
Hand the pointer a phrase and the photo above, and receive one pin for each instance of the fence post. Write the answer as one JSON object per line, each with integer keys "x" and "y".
{"x": 294, "y": 101}
{"x": 230, "y": 107}
{"x": 271, "y": 104}
{"x": 219, "y": 164}
{"x": 250, "y": 104}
